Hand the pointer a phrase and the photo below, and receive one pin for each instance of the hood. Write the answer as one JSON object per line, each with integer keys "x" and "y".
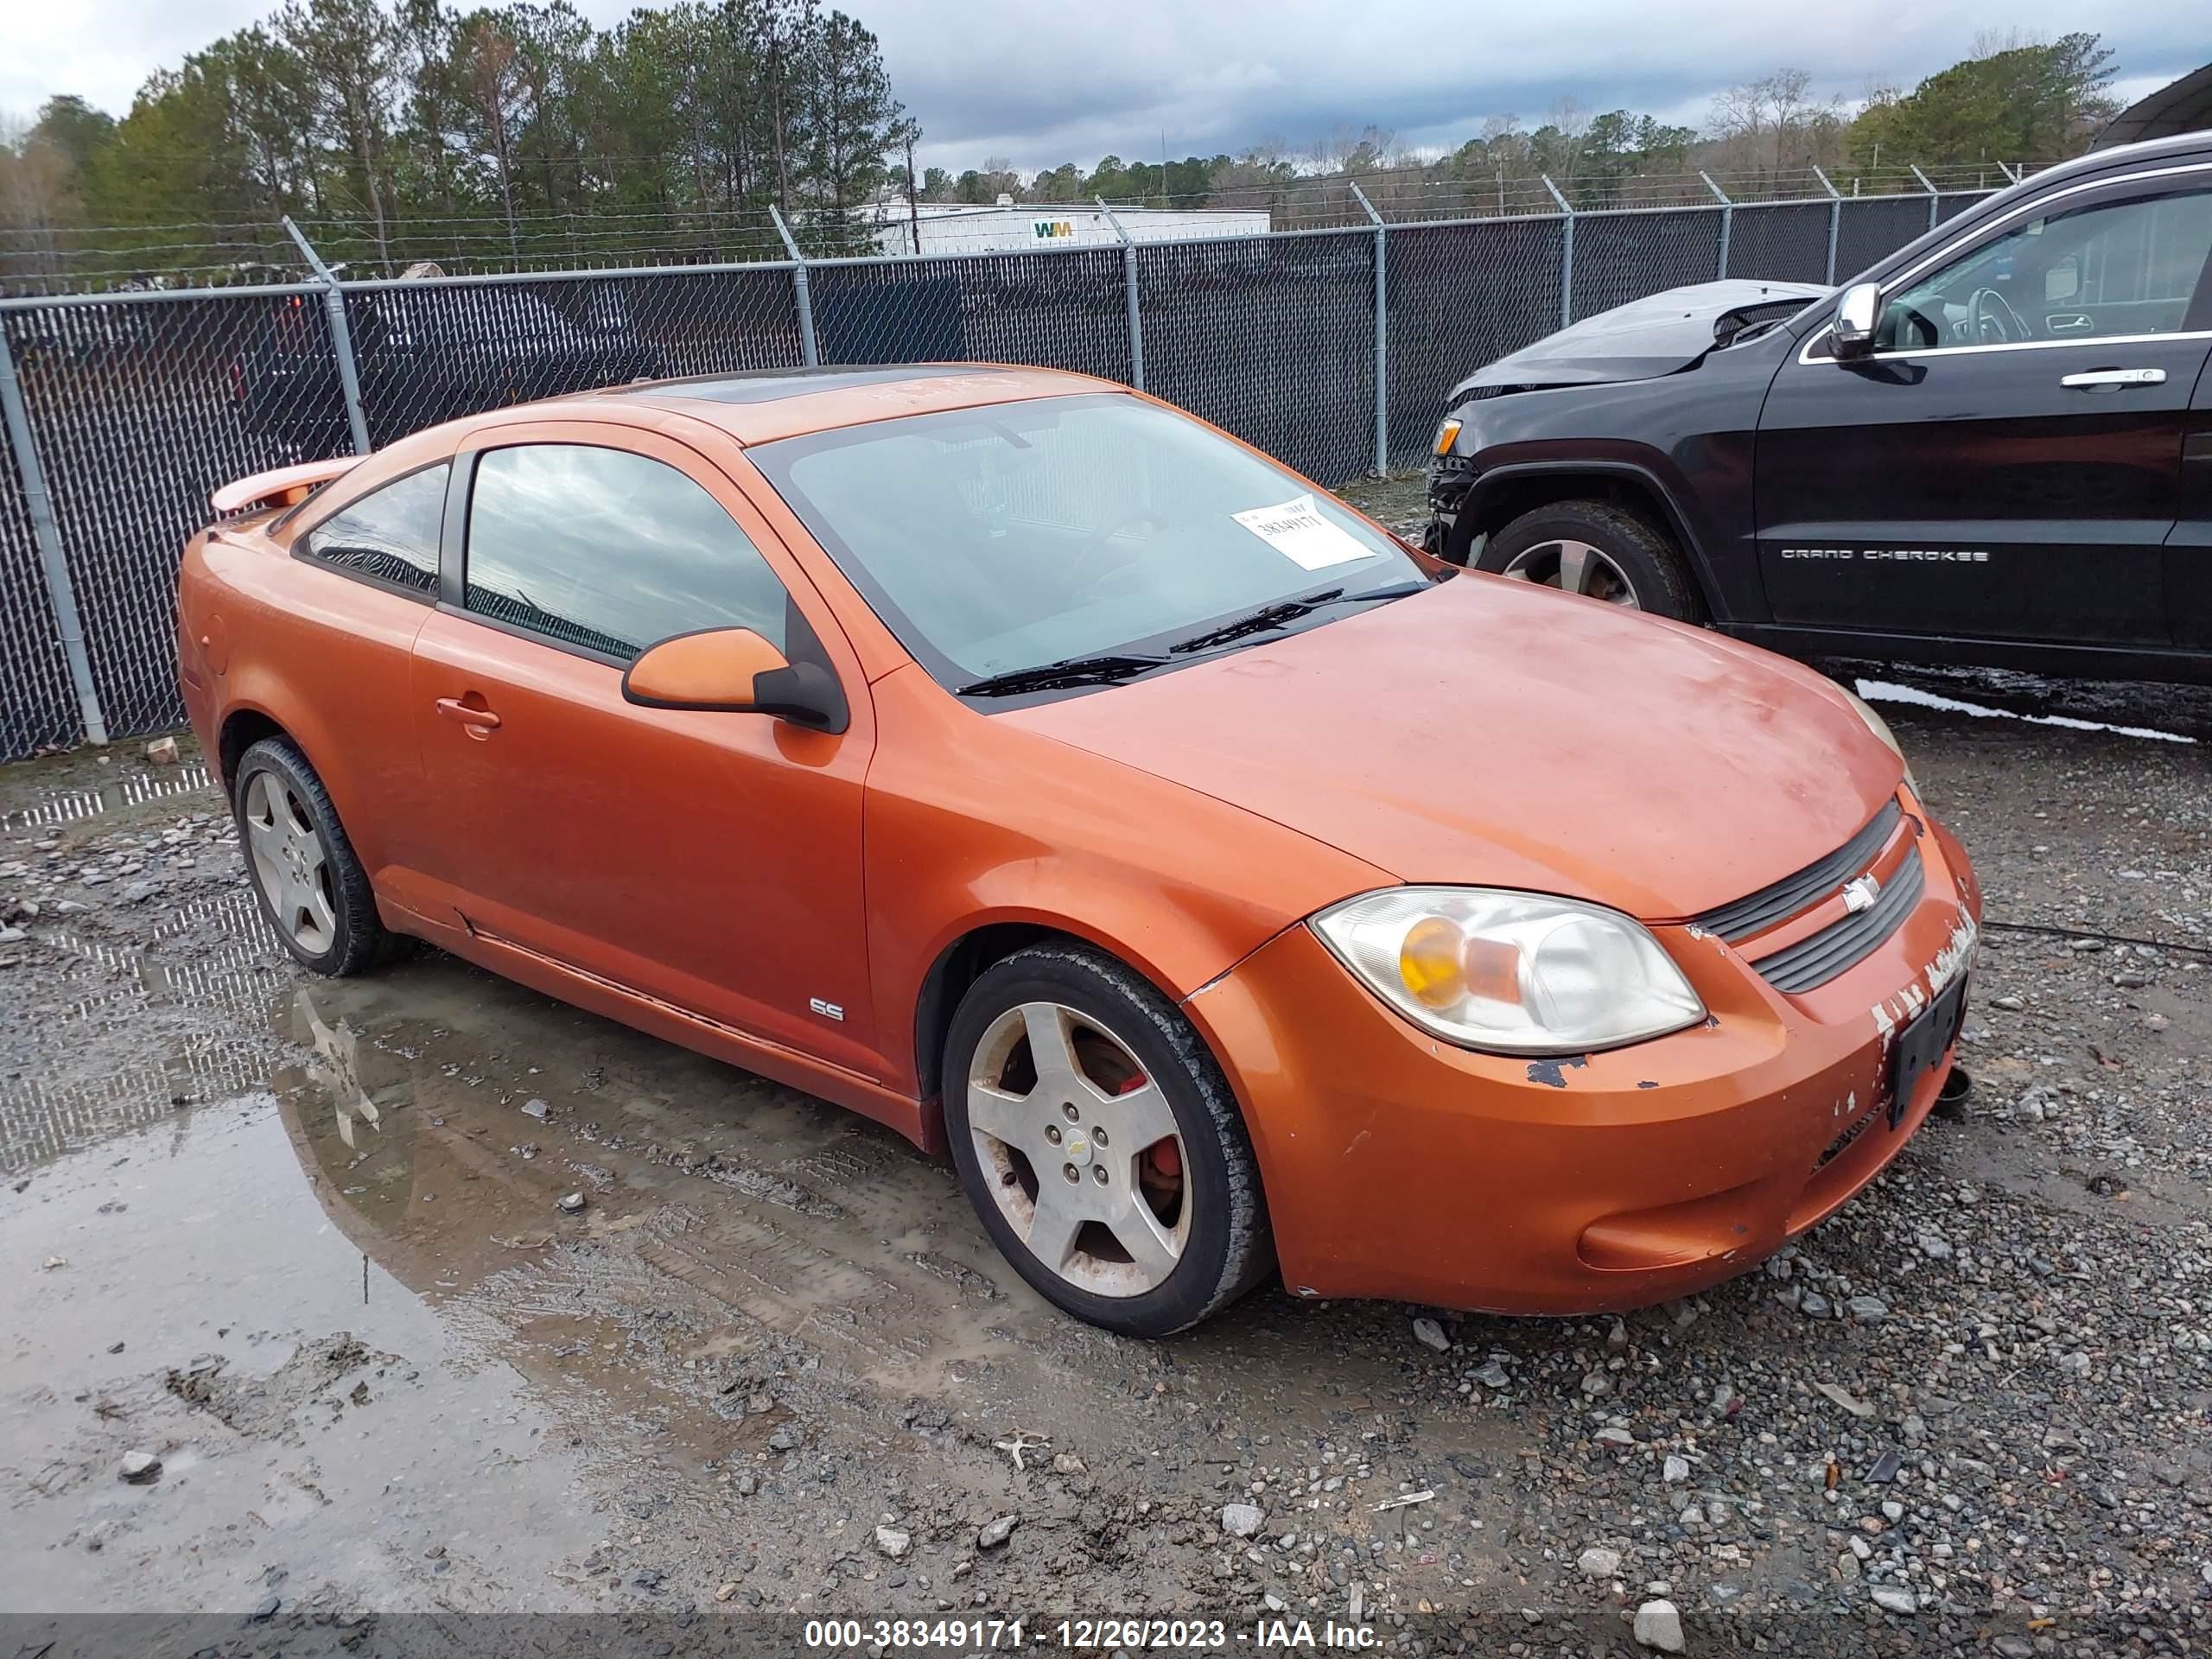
{"x": 1640, "y": 341}
{"x": 1497, "y": 734}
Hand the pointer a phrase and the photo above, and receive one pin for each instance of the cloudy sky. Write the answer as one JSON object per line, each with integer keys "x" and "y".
{"x": 1043, "y": 81}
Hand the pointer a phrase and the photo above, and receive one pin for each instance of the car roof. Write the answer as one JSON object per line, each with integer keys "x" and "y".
{"x": 2179, "y": 107}
{"x": 2118, "y": 157}
{"x": 763, "y": 405}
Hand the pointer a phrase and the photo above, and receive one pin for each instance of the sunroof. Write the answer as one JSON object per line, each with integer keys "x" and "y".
{"x": 795, "y": 383}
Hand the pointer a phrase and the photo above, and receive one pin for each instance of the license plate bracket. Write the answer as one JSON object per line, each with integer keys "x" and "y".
{"x": 1923, "y": 1044}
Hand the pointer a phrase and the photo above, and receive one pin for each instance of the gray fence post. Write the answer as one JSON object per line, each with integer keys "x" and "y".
{"x": 341, "y": 338}
{"x": 1566, "y": 257}
{"x": 1835, "y": 221}
{"x": 1381, "y": 333}
{"x": 1728, "y": 221}
{"x": 810, "y": 353}
{"x": 60, "y": 591}
{"x": 1129, "y": 291}
{"x": 1934, "y": 196}
{"x": 2011, "y": 171}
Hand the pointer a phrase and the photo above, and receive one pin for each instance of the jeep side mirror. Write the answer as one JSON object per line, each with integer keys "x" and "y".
{"x": 1857, "y": 316}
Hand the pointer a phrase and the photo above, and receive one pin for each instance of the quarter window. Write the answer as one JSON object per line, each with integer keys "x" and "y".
{"x": 2111, "y": 268}
{"x": 389, "y": 535}
{"x": 609, "y": 552}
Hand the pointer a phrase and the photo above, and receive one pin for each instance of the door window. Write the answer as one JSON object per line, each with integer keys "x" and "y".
{"x": 609, "y": 552}
{"x": 389, "y": 535}
{"x": 2111, "y": 268}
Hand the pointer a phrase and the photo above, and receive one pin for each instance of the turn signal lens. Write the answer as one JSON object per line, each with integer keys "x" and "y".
{"x": 1514, "y": 973}
{"x": 1446, "y": 436}
{"x": 1428, "y": 963}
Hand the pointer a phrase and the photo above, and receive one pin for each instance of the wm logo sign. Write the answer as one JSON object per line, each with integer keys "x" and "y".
{"x": 1048, "y": 228}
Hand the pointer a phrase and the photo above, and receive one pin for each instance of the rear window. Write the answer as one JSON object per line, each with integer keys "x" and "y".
{"x": 389, "y": 536}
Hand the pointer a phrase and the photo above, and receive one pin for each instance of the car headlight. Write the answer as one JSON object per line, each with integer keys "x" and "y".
{"x": 1880, "y": 727}
{"x": 1517, "y": 973}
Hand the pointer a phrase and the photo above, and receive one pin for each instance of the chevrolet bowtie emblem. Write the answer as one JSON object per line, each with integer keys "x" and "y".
{"x": 1859, "y": 894}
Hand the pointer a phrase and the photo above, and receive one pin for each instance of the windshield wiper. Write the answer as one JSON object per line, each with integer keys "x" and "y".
{"x": 1288, "y": 610}
{"x": 1069, "y": 670}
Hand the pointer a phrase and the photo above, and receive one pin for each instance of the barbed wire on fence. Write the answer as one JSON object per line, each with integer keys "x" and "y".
{"x": 61, "y": 257}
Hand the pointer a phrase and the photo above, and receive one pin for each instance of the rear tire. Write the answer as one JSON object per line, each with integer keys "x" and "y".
{"x": 1118, "y": 1089}
{"x": 1601, "y": 550}
{"x": 312, "y": 887}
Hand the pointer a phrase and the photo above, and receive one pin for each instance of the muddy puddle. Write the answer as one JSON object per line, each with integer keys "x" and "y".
{"x": 316, "y": 1423}
{"x": 430, "y": 1291}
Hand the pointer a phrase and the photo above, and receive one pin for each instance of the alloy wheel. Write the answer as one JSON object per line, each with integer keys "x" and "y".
{"x": 1574, "y": 567}
{"x": 1080, "y": 1149}
{"x": 290, "y": 862}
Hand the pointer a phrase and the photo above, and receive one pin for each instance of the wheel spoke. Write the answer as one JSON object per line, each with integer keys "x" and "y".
{"x": 1052, "y": 1051}
{"x": 1057, "y": 1220}
{"x": 1151, "y": 1247}
{"x": 267, "y": 836}
{"x": 294, "y": 818}
{"x": 317, "y": 908}
{"x": 1574, "y": 567}
{"x": 1137, "y": 1118}
{"x": 998, "y": 1114}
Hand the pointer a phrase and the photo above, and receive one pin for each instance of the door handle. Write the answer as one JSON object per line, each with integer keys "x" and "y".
{"x": 479, "y": 720}
{"x": 2072, "y": 322}
{"x": 2112, "y": 379}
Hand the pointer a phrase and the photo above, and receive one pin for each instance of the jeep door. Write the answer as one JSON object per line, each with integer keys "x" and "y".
{"x": 2006, "y": 462}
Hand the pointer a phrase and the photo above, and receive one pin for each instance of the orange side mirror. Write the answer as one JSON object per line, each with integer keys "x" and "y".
{"x": 735, "y": 670}
{"x": 715, "y": 669}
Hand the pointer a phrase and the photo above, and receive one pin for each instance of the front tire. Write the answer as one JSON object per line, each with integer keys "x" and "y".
{"x": 1100, "y": 1144}
{"x": 313, "y": 889}
{"x": 1599, "y": 551}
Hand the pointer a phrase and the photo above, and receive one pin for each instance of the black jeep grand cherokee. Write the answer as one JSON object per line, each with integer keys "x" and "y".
{"x": 1995, "y": 447}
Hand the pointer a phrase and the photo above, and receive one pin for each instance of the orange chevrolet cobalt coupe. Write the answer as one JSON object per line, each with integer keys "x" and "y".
{"x": 1016, "y": 759}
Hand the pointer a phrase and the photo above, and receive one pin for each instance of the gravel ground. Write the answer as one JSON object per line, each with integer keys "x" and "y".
{"x": 303, "y": 1242}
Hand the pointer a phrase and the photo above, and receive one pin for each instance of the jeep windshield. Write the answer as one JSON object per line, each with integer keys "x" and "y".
{"x": 1035, "y": 546}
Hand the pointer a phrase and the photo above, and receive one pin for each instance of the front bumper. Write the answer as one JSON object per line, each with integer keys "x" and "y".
{"x": 1398, "y": 1166}
{"x": 1449, "y": 477}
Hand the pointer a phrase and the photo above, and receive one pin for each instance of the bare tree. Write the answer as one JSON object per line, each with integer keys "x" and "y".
{"x": 1773, "y": 125}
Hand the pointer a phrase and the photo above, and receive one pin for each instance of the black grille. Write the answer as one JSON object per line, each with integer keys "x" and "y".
{"x": 1845, "y": 943}
{"x": 1769, "y": 905}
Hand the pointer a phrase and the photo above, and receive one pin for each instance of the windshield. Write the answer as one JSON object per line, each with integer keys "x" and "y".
{"x": 1001, "y": 539}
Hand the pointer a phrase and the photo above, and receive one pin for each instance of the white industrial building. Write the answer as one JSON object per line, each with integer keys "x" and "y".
{"x": 942, "y": 227}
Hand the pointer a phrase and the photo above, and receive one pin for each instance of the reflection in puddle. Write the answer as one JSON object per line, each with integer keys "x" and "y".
{"x": 1889, "y": 691}
{"x": 80, "y": 803}
{"x": 322, "y": 1430}
{"x": 227, "y": 977}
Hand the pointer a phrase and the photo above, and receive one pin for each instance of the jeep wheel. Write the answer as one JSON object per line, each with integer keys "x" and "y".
{"x": 1601, "y": 551}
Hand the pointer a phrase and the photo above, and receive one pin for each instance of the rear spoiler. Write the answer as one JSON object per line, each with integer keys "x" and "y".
{"x": 285, "y": 487}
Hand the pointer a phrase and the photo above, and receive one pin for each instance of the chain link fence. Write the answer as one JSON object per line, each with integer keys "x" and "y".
{"x": 1334, "y": 349}
{"x": 1271, "y": 337}
{"x": 1462, "y": 295}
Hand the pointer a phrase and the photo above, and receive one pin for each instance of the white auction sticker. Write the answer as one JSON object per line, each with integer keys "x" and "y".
{"x": 1297, "y": 531}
